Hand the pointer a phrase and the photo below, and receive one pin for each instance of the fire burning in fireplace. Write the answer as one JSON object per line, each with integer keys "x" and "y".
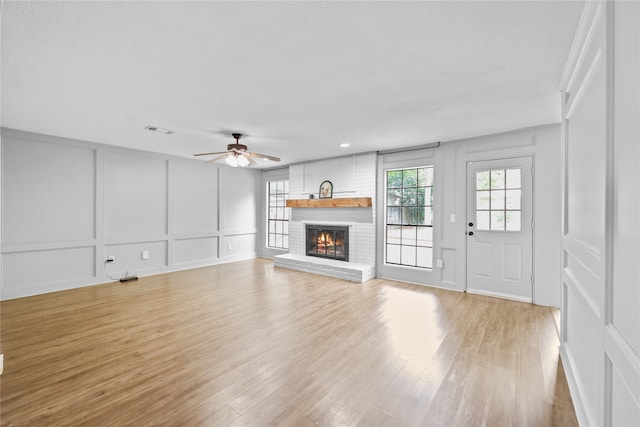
{"x": 325, "y": 242}
{"x": 328, "y": 242}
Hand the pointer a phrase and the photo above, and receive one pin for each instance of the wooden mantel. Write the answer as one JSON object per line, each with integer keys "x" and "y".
{"x": 352, "y": 202}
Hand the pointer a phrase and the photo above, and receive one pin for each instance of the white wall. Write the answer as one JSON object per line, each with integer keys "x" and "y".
{"x": 363, "y": 175}
{"x": 450, "y": 160}
{"x": 67, "y": 205}
{"x": 601, "y": 237}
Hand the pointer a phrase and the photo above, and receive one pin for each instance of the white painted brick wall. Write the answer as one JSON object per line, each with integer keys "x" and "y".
{"x": 362, "y": 233}
{"x": 296, "y": 181}
{"x": 296, "y": 238}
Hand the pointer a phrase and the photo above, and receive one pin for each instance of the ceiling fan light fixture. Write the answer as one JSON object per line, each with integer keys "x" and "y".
{"x": 232, "y": 161}
{"x": 242, "y": 160}
{"x": 238, "y": 155}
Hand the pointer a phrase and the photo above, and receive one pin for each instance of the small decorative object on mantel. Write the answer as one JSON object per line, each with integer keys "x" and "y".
{"x": 326, "y": 190}
{"x": 311, "y": 196}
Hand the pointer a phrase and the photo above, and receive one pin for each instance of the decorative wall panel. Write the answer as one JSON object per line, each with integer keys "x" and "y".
{"x": 195, "y": 189}
{"x": 35, "y": 209}
{"x": 200, "y": 249}
{"x": 135, "y": 195}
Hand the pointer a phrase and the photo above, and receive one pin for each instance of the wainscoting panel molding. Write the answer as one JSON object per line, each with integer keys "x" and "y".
{"x": 69, "y": 204}
{"x": 195, "y": 250}
{"x": 47, "y": 271}
{"x": 135, "y": 195}
{"x": 195, "y": 185}
{"x": 600, "y": 343}
{"x": 35, "y": 210}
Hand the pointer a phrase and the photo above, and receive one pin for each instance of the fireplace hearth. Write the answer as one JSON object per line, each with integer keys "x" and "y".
{"x": 328, "y": 241}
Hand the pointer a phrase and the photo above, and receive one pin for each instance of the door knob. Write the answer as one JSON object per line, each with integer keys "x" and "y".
{"x": 470, "y": 233}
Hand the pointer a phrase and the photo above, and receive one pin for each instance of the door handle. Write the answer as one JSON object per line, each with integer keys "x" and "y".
{"x": 470, "y": 233}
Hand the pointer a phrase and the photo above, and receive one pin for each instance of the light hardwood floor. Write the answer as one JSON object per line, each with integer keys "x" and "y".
{"x": 250, "y": 344}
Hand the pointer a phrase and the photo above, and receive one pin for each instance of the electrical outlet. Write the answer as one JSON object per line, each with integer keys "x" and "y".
{"x": 439, "y": 263}
{"x": 452, "y": 218}
{"x": 111, "y": 258}
{"x": 145, "y": 254}
{"x": 229, "y": 247}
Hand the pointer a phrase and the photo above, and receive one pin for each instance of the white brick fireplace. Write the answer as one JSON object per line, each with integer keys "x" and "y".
{"x": 353, "y": 176}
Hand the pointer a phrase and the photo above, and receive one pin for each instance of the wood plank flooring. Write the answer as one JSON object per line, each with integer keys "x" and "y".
{"x": 249, "y": 344}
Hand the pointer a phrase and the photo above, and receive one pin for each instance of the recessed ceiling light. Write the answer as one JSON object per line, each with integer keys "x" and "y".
{"x": 345, "y": 144}
{"x": 157, "y": 129}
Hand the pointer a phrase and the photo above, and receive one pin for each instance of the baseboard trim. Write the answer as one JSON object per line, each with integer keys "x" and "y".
{"x": 9, "y": 294}
{"x": 574, "y": 388}
{"x": 498, "y": 295}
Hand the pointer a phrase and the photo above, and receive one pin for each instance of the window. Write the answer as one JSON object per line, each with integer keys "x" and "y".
{"x": 498, "y": 199}
{"x": 409, "y": 224}
{"x": 277, "y": 214}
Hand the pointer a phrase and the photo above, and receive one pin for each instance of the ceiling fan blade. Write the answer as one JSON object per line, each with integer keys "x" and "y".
{"x": 251, "y": 161}
{"x": 215, "y": 159}
{"x": 210, "y": 154}
{"x": 264, "y": 156}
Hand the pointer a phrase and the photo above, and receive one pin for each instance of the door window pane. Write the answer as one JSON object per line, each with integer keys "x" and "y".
{"x": 513, "y": 199}
{"x": 513, "y": 220}
{"x": 498, "y": 199}
{"x": 482, "y": 200}
{"x": 497, "y": 179}
{"x": 482, "y": 217}
{"x": 513, "y": 178}
{"x": 497, "y": 220}
{"x": 482, "y": 180}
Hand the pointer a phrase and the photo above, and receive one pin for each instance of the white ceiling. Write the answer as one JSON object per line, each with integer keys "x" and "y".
{"x": 297, "y": 77}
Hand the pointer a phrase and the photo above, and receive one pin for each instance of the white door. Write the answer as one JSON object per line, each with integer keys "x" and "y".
{"x": 499, "y": 228}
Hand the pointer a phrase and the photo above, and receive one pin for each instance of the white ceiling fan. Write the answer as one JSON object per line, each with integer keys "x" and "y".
{"x": 237, "y": 154}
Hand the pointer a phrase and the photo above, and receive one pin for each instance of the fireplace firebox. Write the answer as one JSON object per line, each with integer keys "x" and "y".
{"x": 328, "y": 241}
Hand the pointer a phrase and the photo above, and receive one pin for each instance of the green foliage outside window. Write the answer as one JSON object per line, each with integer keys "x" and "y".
{"x": 410, "y": 196}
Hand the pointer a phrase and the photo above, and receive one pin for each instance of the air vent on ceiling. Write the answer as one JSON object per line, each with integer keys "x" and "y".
{"x": 157, "y": 129}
